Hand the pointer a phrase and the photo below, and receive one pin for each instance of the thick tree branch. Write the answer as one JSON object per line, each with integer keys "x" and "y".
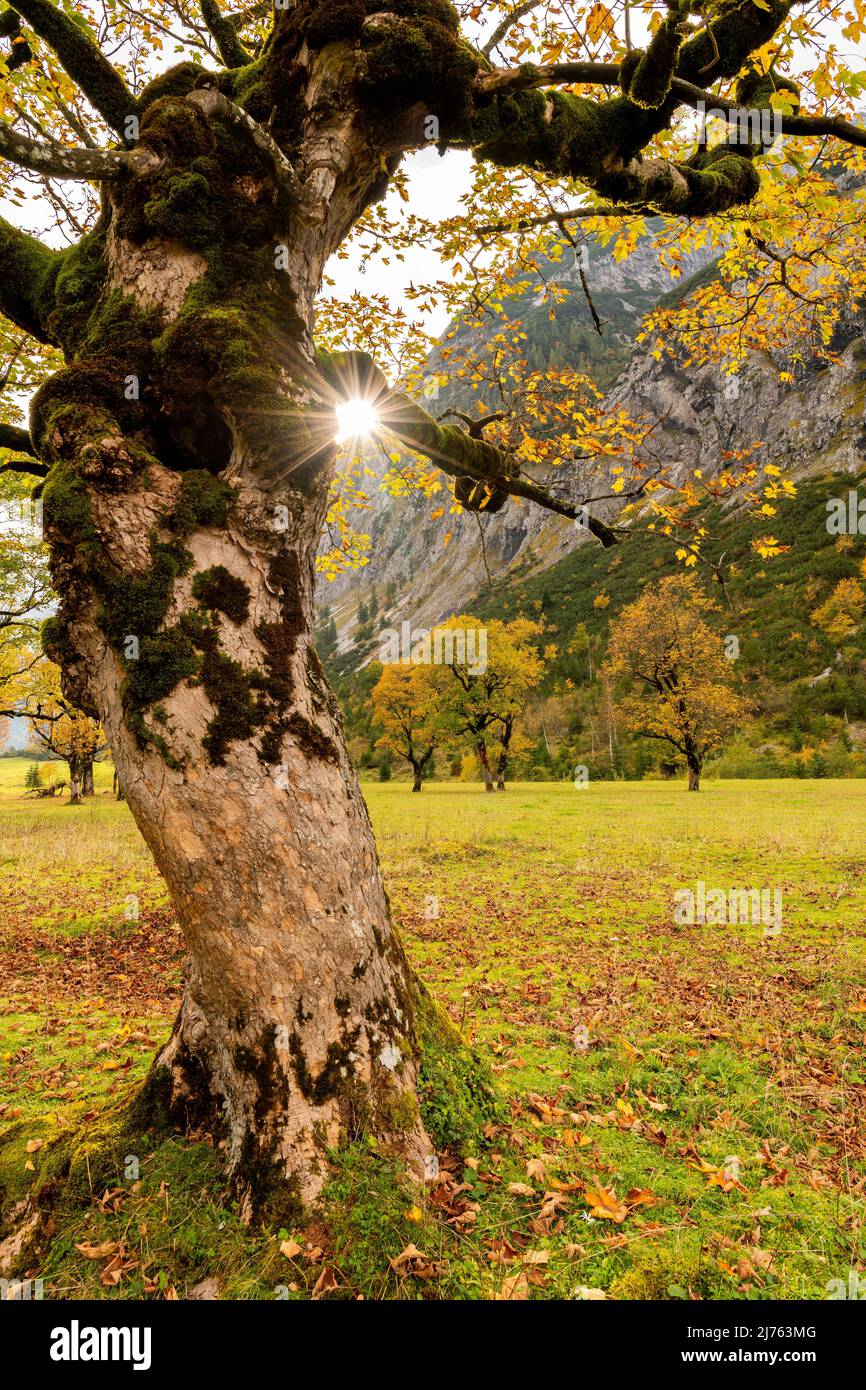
{"x": 84, "y": 61}
{"x": 608, "y": 74}
{"x": 13, "y": 437}
{"x": 787, "y": 124}
{"x": 27, "y": 282}
{"x": 212, "y": 103}
{"x": 63, "y": 162}
{"x": 575, "y": 137}
{"x": 225, "y": 35}
{"x": 601, "y": 143}
{"x": 530, "y": 75}
{"x": 723, "y": 44}
{"x": 38, "y": 470}
{"x": 20, "y": 51}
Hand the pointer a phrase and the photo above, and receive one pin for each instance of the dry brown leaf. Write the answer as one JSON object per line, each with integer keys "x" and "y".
{"x": 399, "y": 1262}
{"x": 97, "y": 1252}
{"x": 326, "y": 1283}
{"x": 535, "y": 1170}
{"x": 413, "y": 1261}
{"x": 514, "y": 1289}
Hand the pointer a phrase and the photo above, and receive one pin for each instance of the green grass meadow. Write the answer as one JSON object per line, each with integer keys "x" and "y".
{"x": 698, "y": 1140}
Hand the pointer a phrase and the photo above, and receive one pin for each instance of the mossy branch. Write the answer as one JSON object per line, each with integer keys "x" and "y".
{"x": 27, "y": 283}
{"x": 212, "y": 103}
{"x": 460, "y": 454}
{"x": 601, "y": 142}
{"x": 650, "y": 80}
{"x": 82, "y": 58}
{"x": 20, "y": 51}
{"x": 734, "y": 30}
{"x": 37, "y": 470}
{"x": 547, "y": 75}
{"x": 787, "y": 124}
{"x": 225, "y": 35}
{"x": 574, "y": 137}
{"x": 13, "y": 437}
{"x": 525, "y": 78}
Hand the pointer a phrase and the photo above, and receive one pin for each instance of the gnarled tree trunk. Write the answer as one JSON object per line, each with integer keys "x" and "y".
{"x": 297, "y": 1019}
{"x": 191, "y": 441}
{"x": 297, "y": 1015}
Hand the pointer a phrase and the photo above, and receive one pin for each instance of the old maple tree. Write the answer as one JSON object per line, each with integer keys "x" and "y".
{"x": 403, "y": 708}
{"x": 683, "y": 690}
{"x": 185, "y": 437}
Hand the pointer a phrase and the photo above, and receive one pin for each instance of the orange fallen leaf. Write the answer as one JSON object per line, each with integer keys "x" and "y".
{"x": 605, "y": 1204}
{"x": 639, "y": 1197}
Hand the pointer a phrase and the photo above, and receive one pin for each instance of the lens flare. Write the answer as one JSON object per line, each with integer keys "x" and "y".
{"x": 356, "y": 419}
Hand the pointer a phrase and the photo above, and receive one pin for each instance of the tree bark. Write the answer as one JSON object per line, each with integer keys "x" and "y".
{"x": 486, "y": 774}
{"x": 694, "y": 777}
{"x": 297, "y": 1018}
{"x": 87, "y": 778}
{"x": 76, "y": 779}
